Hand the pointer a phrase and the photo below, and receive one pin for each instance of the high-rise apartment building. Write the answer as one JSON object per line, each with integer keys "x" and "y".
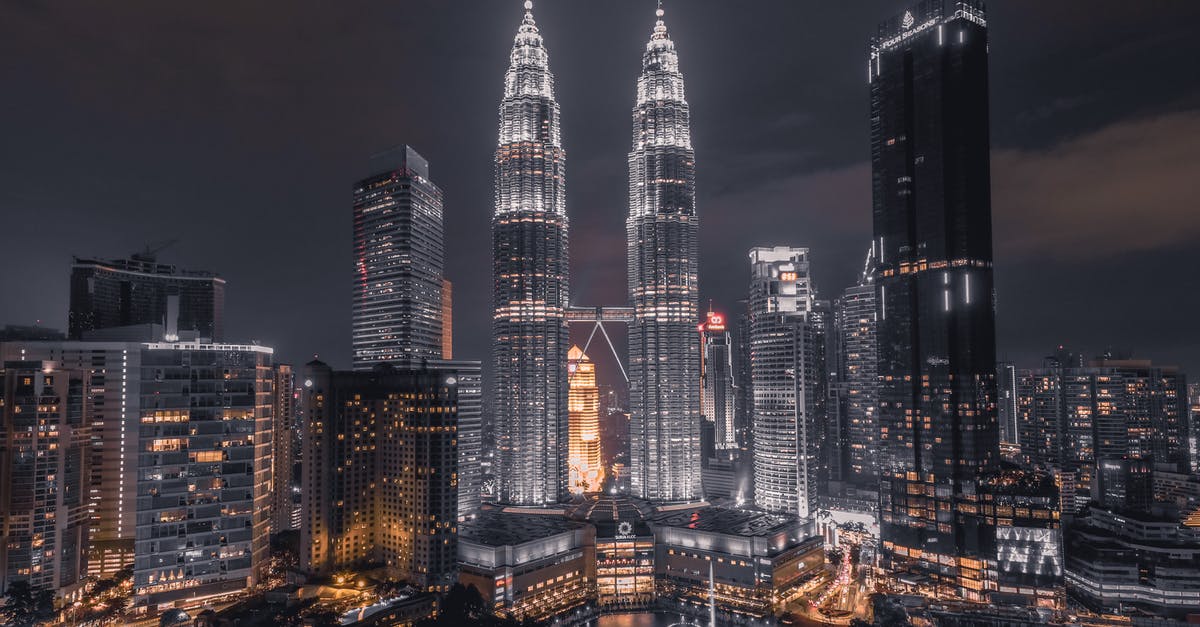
{"x": 663, "y": 258}
{"x": 285, "y": 441}
{"x": 530, "y": 272}
{"x": 381, "y": 482}
{"x": 139, "y": 290}
{"x": 203, "y": 501}
{"x": 784, "y": 370}
{"x": 717, "y": 389}
{"x": 587, "y": 472}
{"x": 398, "y": 258}
{"x": 930, "y": 152}
{"x": 1094, "y": 423}
{"x": 44, "y": 473}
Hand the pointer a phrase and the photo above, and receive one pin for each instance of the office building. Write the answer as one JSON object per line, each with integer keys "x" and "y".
{"x": 285, "y": 434}
{"x": 447, "y": 319}
{"x": 1006, "y": 403}
{"x": 785, "y": 367}
{"x": 398, "y": 259}
{"x": 587, "y": 472}
{"x": 380, "y": 481}
{"x": 530, "y": 266}
{"x": 717, "y": 389}
{"x": 930, "y": 152}
{"x": 203, "y": 499}
{"x": 663, "y": 258}
{"x": 44, "y": 472}
{"x": 857, "y": 365}
{"x": 1134, "y": 563}
{"x": 107, "y": 293}
{"x": 470, "y": 435}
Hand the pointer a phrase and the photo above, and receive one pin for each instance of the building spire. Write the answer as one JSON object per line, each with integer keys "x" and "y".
{"x": 660, "y": 27}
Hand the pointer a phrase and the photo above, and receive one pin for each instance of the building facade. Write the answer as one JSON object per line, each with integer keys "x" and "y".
{"x": 1023, "y": 506}
{"x": 107, "y": 293}
{"x": 717, "y": 389}
{"x": 784, "y": 371}
{"x": 44, "y": 476}
{"x": 203, "y": 472}
{"x": 930, "y": 157}
{"x": 663, "y": 258}
{"x": 381, "y": 480}
{"x": 399, "y": 255}
{"x": 285, "y": 501}
{"x": 587, "y": 471}
{"x": 530, "y": 271}
{"x": 857, "y": 368}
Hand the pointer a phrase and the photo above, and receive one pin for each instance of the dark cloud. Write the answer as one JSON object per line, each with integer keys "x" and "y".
{"x": 240, "y": 126}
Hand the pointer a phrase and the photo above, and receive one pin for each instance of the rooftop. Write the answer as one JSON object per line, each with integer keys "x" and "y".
{"x": 499, "y": 528}
{"x": 730, "y": 521}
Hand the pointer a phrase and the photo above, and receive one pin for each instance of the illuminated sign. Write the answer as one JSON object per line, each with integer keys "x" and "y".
{"x": 908, "y": 20}
{"x": 787, "y": 276}
{"x": 625, "y": 529}
{"x": 716, "y": 322}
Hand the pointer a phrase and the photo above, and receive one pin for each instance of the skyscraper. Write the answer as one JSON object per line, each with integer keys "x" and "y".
{"x": 380, "y": 485}
{"x": 447, "y": 319}
{"x": 398, "y": 259}
{"x": 928, "y": 74}
{"x": 859, "y": 353}
{"x": 662, "y": 231}
{"x": 716, "y": 376}
{"x": 784, "y": 370}
{"x": 284, "y": 436}
{"x": 587, "y": 473}
{"x": 44, "y": 473}
{"x": 530, "y": 271}
{"x": 139, "y": 290}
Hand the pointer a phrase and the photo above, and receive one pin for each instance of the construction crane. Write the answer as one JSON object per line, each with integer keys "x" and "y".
{"x": 150, "y": 253}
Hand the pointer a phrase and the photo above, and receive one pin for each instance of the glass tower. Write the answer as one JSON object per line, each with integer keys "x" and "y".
{"x": 928, "y": 74}
{"x": 662, "y": 229}
{"x": 530, "y": 265}
{"x": 398, "y": 258}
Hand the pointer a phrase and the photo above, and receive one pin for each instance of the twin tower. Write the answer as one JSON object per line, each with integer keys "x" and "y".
{"x": 531, "y": 282}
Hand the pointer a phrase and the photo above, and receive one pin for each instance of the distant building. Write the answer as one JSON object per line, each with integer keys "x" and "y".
{"x": 856, "y": 365}
{"x": 13, "y": 333}
{"x": 44, "y": 473}
{"x": 1006, "y": 402}
{"x": 203, "y": 472}
{"x": 583, "y": 403}
{"x": 1133, "y": 563}
{"x": 1118, "y": 418}
{"x": 398, "y": 262}
{"x": 717, "y": 389}
{"x": 785, "y": 367}
{"x": 285, "y": 441}
{"x": 756, "y": 558}
{"x": 380, "y": 481}
{"x": 139, "y": 290}
{"x": 528, "y": 566}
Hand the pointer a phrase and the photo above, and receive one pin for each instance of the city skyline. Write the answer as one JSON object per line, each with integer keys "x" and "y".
{"x": 797, "y": 132}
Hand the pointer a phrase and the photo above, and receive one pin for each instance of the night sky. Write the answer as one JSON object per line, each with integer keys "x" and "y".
{"x": 240, "y": 127}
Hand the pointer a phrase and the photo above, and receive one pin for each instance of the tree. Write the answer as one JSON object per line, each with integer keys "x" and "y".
{"x": 24, "y": 605}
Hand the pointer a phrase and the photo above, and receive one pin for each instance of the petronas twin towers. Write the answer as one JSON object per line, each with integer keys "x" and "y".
{"x": 531, "y": 275}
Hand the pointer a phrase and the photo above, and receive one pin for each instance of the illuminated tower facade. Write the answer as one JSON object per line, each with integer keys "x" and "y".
{"x": 530, "y": 266}
{"x": 716, "y": 381}
{"x": 398, "y": 259}
{"x": 928, "y": 72}
{"x": 662, "y": 229}
{"x": 587, "y": 471}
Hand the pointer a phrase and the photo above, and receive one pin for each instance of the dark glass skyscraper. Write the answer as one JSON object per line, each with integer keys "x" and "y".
{"x": 139, "y": 290}
{"x": 530, "y": 266}
{"x": 398, "y": 258}
{"x": 663, "y": 256}
{"x": 928, "y": 72}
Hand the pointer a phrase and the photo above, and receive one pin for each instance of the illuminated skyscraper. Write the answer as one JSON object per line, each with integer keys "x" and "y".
{"x": 784, "y": 370}
{"x": 398, "y": 258}
{"x": 662, "y": 229}
{"x": 857, "y": 365}
{"x": 530, "y": 266}
{"x": 928, "y": 73}
{"x": 716, "y": 376}
{"x": 587, "y": 472}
